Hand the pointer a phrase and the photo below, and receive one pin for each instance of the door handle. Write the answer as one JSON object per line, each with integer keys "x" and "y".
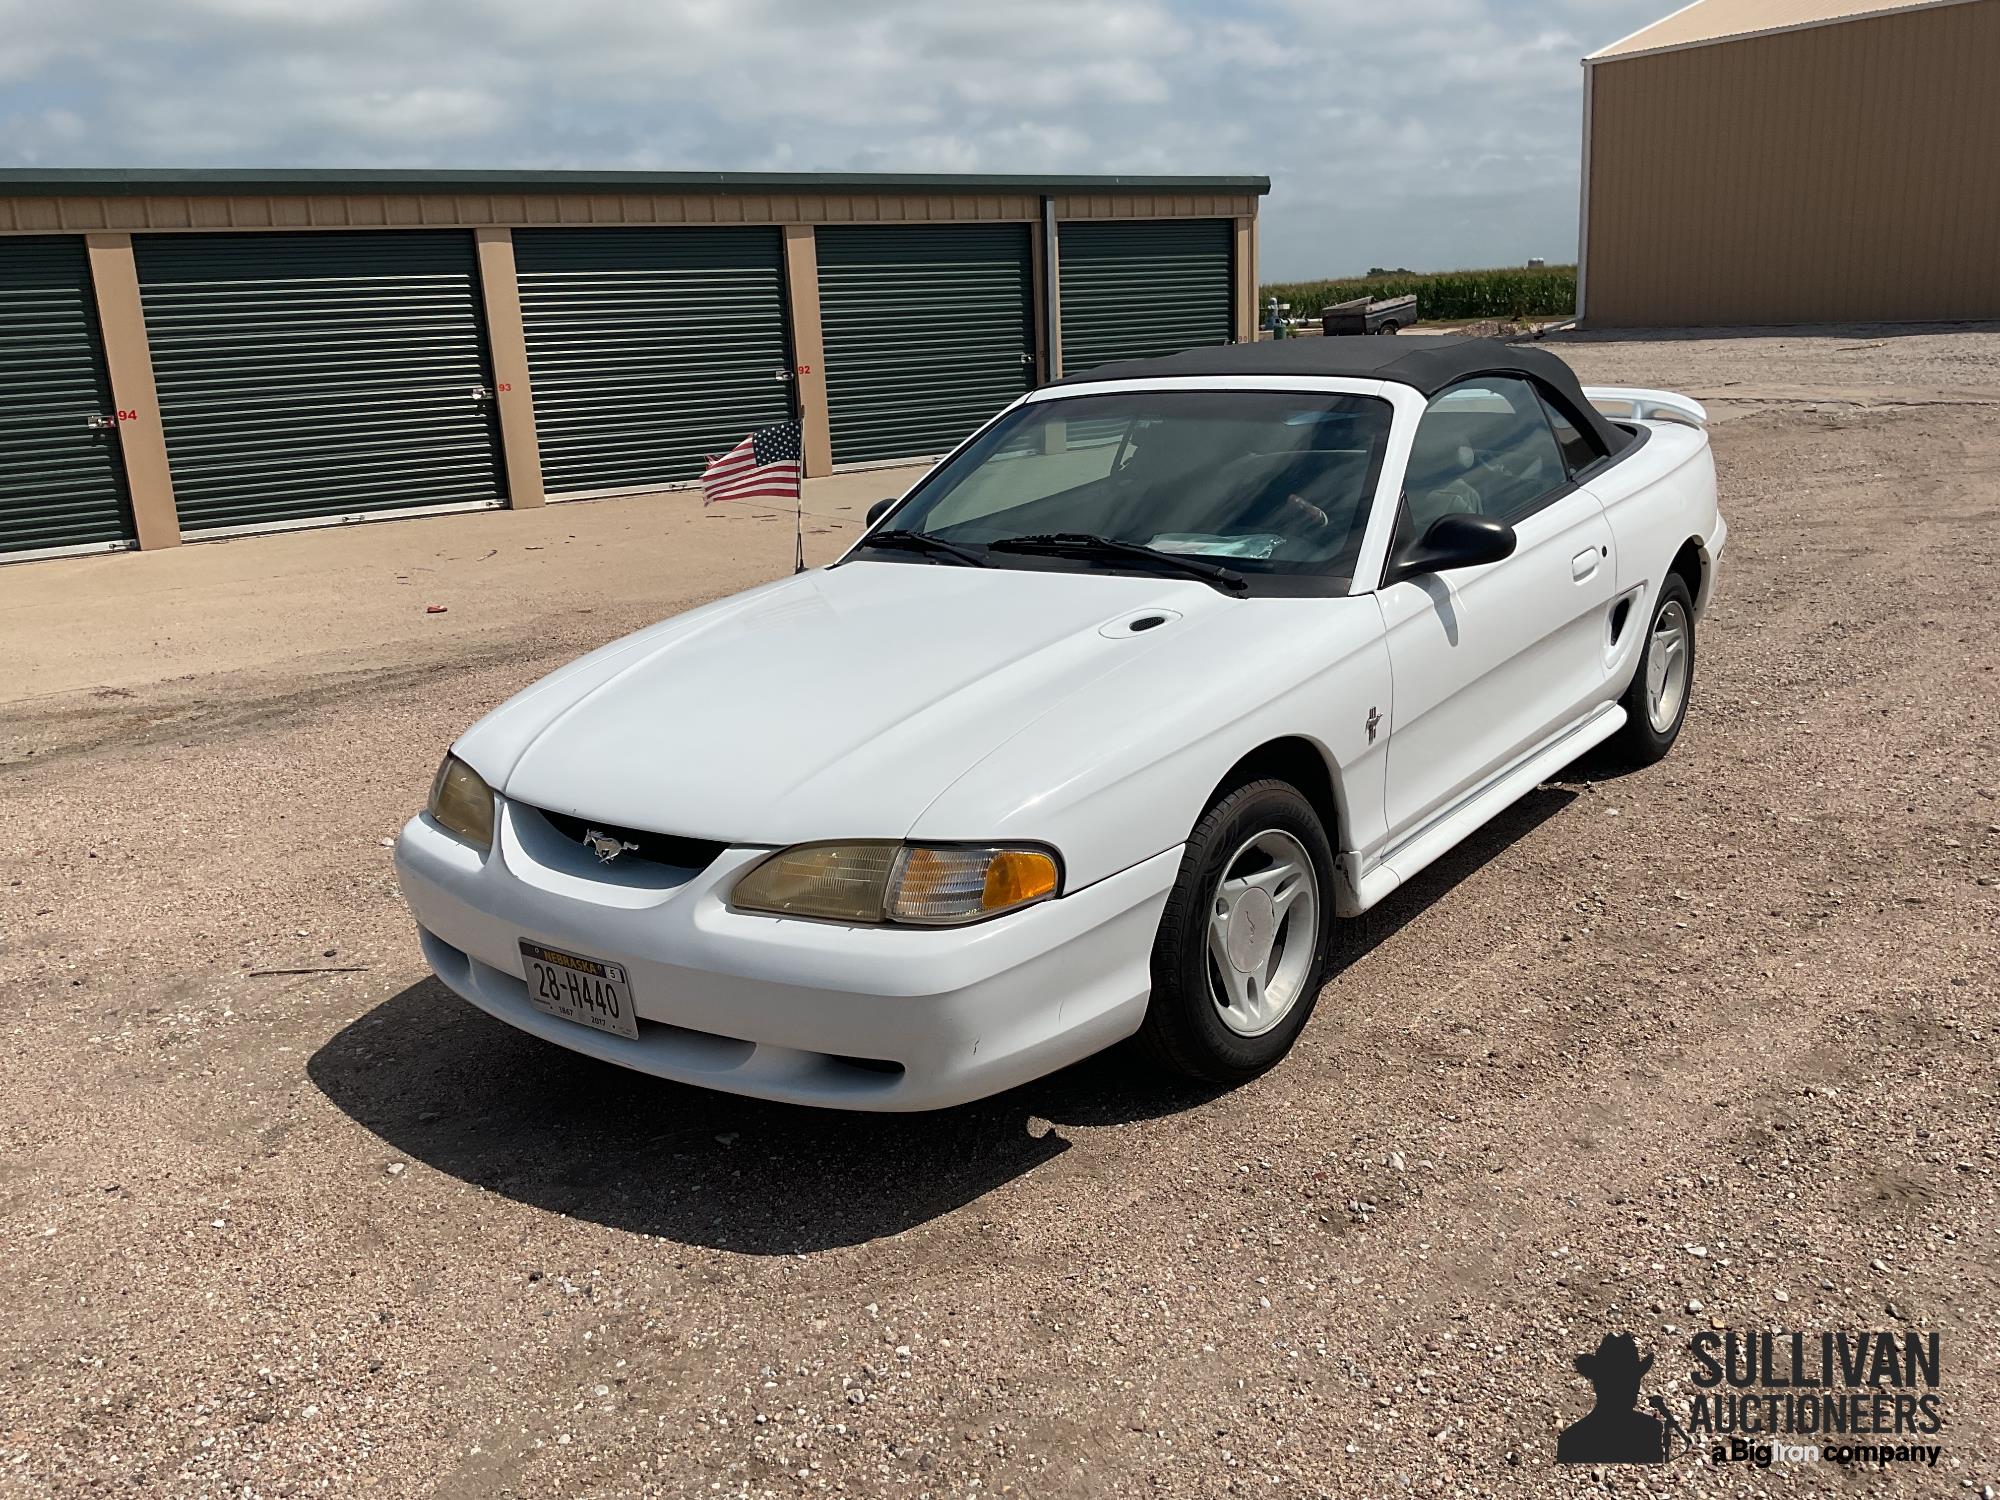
{"x": 1583, "y": 564}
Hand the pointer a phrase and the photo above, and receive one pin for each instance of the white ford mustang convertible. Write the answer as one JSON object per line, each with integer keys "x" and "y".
{"x": 1108, "y": 728}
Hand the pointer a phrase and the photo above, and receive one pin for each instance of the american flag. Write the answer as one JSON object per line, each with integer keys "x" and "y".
{"x": 764, "y": 466}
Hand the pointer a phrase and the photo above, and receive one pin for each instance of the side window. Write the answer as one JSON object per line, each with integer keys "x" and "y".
{"x": 1483, "y": 448}
{"x": 1578, "y": 447}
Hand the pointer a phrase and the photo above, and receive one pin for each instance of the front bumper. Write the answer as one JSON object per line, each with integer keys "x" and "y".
{"x": 879, "y": 1018}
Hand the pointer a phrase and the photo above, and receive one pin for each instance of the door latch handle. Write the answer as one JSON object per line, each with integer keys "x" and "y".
{"x": 1583, "y": 564}
{"x": 98, "y": 423}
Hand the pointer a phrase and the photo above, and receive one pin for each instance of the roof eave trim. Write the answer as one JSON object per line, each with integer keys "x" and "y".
{"x": 1609, "y": 55}
{"x": 1650, "y": 25}
{"x": 209, "y": 182}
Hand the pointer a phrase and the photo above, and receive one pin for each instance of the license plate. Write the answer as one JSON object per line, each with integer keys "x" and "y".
{"x": 588, "y": 991}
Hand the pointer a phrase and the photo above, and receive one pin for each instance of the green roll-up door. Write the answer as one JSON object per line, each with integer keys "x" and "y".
{"x": 62, "y": 481}
{"x": 927, "y": 332}
{"x": 650, "y": 349}
{"x": 1139, "y": 287}
{"x": 310, "y": 375}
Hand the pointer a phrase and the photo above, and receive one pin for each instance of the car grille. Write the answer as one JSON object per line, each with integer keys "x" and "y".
{"x": 660, "y": 848}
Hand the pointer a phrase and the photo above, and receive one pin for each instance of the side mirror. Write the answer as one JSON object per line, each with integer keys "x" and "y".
{"x": 1454, "y": 541}
{"x": 875, "y": 511}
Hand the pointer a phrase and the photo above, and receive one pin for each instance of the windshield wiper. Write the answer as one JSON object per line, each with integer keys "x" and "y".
{"x": 918, "y": 541}
{"x": 1086, "y": 544}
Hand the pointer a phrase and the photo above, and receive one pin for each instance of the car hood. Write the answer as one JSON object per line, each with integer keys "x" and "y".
{"x": 837, "y": 704}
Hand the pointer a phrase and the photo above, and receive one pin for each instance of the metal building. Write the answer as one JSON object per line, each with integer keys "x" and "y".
{"x": 1794, "y": 161}
{"x": 188, "y": 354}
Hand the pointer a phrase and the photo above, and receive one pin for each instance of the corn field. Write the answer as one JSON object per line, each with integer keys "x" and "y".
{"x": 1546, "y": 292}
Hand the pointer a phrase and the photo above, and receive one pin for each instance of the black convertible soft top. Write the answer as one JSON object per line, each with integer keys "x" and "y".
{"x": 1428, "y": 363}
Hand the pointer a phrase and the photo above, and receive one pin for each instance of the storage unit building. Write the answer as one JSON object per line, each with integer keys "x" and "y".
{"x": 927, "y": 331}
{"x": 650, "y": 349}
{"x": 62, "y": 481}
{"x": 1794, "y": 161}
{"x": 306, "y": 376}
{"x": 190, "y": 353}
{"x": 1134, "y": 288}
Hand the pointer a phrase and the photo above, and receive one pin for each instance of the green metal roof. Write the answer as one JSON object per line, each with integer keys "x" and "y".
{"x": 127, "y": 181}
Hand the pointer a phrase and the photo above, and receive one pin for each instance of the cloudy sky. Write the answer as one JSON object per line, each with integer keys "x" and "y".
{"x": 1427, "y": 133}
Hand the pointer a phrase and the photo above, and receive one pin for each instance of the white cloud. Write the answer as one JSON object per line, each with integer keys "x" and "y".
{"x": 398, "y": 115}
{"x": 1433, "y": 132}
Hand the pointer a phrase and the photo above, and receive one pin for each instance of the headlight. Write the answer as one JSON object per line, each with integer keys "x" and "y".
{"x": 963, "y": 885}
{"x": 878, "y": 881}
{"x": 462, "y": 803}
{"x": 842, "y": 882}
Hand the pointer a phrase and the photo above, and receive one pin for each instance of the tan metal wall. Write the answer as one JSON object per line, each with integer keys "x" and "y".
{"x": 1844, "y": 173}
{"x": 1244, "y": 319}
{"x": 128, "y": 359}
{"x": 1715, "y": 19}
{"x": 507, "y": 351}
{"x": 108, "y": 222}
{"x": 809, "y": 349}
{"x": 158, "y": 212}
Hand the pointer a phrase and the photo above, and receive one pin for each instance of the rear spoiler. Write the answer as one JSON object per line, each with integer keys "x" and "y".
{"x": 1636, "y": 405}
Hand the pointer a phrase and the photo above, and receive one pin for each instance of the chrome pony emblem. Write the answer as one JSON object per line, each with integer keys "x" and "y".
{"x": 605, "y": 846}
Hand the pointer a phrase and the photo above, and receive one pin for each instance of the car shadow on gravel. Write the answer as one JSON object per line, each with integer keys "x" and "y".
{"x": 446, "y": 1085}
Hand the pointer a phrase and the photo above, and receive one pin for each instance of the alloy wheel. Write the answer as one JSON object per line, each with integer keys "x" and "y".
{"x": 1263, "y": 930}
{"x": 1667, "y": 666}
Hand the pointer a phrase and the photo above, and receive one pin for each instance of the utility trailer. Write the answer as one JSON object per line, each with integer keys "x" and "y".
{"x": 1365, "y": 315}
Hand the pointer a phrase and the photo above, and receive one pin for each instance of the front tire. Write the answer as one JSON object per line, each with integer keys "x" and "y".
{"x": 1242, "y": 945}
{"x": 1656, "y": 702}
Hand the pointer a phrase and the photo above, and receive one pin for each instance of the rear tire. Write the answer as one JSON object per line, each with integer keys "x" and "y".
{"x": 1656, "y": 702}
{"x": 1243, "y": 943}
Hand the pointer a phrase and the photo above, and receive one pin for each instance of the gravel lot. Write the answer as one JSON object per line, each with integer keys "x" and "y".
{"x": 1722, "y": 1032}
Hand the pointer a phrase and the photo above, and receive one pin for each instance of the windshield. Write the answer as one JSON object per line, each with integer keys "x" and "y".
{"x": 1273, "y": 485}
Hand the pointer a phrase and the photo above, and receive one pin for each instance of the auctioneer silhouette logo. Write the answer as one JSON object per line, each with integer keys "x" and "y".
{"x": 1614, "y": 1431}
{"x": 1851, "y": 1397}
